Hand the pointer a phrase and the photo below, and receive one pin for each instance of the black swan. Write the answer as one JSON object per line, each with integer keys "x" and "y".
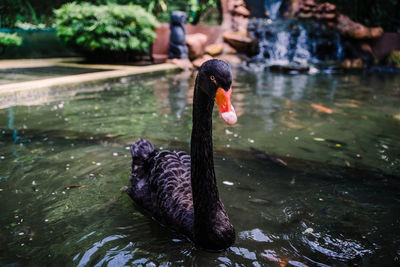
{"x": 180, "y": 190}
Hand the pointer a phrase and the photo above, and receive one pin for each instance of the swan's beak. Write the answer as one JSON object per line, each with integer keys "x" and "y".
{"x": 223, "y": 100}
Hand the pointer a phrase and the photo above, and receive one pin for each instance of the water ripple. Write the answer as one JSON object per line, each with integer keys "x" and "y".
{"x": 88, "y": 254}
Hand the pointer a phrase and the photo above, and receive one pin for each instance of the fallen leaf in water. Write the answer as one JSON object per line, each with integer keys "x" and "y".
{"x": 227, "y": 183}
{"x": 319, "y": 139}
{"x": 260, "y": 201}
{"x": 1, "y": 190}
{"x": 271, "y": 256}
{"x": 74, "y": 186}
{"x": 347, "y": 163}
{"x": 397, "y": 117}
{"x": 321, "y": 108}
{"x": 281, "y": 161}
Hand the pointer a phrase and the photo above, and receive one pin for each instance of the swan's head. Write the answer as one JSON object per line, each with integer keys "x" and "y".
{"x": 215, "y": 79}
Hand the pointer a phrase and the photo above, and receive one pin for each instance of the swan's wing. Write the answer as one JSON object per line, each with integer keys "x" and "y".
{"x": 161, "y": 185}
{"x": 171, "y": 190}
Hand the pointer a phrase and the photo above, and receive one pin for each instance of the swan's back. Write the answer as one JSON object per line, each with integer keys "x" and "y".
{"x": 161, "y": 185}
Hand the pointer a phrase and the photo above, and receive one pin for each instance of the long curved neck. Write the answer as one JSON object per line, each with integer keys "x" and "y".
{"x": 206, "y": 200}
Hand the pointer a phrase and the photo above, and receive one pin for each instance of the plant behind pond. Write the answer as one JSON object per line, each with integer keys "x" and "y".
{"x": 9, "y": 39}
{"x": 109, "y": 27}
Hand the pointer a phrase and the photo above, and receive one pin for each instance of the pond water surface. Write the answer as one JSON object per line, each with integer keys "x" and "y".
{"x": 309, "y": 175}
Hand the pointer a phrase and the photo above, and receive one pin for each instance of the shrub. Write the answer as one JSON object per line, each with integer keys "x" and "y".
{"x": 8, "y": 39}
{"x": 111, "y": 27}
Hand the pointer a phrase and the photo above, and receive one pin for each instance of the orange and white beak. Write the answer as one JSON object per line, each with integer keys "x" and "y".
{"x": 223, "y": 100}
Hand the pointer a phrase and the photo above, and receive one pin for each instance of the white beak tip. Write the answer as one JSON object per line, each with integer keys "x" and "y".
{"x": 229, "y": 117}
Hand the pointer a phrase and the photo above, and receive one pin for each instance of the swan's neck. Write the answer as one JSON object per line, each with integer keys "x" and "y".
{"x": 204, "y": 187}
{"x": 211, "y": 224}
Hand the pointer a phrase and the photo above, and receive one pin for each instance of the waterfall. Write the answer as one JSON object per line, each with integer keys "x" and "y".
{"x": 272, "y": 6}
{"x": 289, "y": 42}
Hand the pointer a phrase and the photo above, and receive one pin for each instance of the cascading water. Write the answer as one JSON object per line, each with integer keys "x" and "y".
{"x": 272, "y": 7}
{"x": 291, "y": 43}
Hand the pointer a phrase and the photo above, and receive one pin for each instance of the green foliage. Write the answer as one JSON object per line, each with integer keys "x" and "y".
{"x": 109, "y": 27}
{"x": 8, "y": 39}
{"x": 394, "y": 58}
{"x": 37, "y": 12}
{"x": 384, "y": 13}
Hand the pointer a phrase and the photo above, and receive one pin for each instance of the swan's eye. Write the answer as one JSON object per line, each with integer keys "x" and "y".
{"x": 212, "y": 78}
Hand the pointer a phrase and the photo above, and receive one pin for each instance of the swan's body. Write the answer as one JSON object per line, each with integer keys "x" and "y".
{"x": 180, "y": 190}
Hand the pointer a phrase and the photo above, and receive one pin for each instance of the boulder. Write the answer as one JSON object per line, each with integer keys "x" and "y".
{"x": 355, "y": 30}
{"x": 241, "y": 42}
{"x": 242, "y": 11}
{"x": 235, "y": 22}
{"x": 289, "y": 68}
{"x": 214, "y": 49}
{"x": 182, "y": 63}
{"x": 199, "y": 61}
{"x": 357, "y": 63}
{"x": 352, "y": 63}
{"x": 327, "y": 12}
{"x": 346, "y": 64}
{"x": 196, "y": 43}
{"x": 239, "y": 23}
{"x": 303, "y": 15}
{"x": 231, "y": 59}
{"x": 229, "y": 49}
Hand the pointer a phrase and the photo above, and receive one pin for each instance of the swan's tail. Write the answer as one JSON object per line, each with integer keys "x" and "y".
{"x": 142, "y": 154}
{"x": 142, "y": 151}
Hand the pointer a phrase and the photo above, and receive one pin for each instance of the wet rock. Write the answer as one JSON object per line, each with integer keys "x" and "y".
{"x": 214, "y": 49}
{"x": 327, "y": 13}
{"x": 357, "y": 63}
{"x": 241, "y": 42}
{"x": 183, "y": 64}
{"x": 231, "y": 59}
{"x": 366, "y": 47}
{"x": 199, "y": 61}
{"x": 228, "y": 49}
{"x": 352, "y": 63}
{"x": 234, "y": 15}
{"x": 242, "y": 11}
{"x": 289, "y": 68}
{"x": 346, "y": 64}
{"x": 356, "y": 30}
{"x": 196, "y": 43}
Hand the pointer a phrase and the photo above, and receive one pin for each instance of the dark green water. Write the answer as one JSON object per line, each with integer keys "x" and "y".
{"x": 302, "y": 186}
